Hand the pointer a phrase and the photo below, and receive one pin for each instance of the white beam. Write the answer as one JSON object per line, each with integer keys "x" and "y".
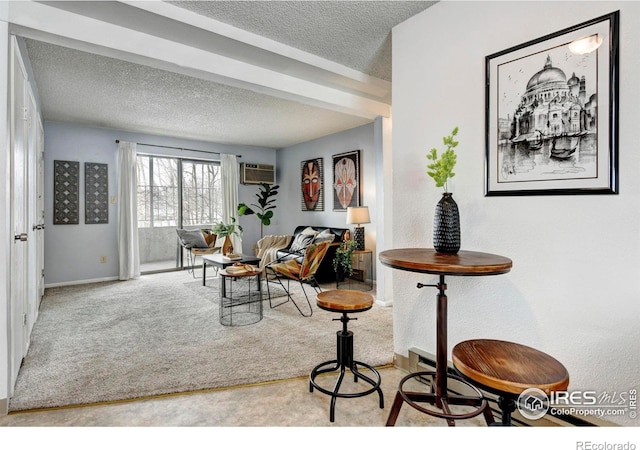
{"x": 55, "y": 25}
{"x": 334, "y": 72}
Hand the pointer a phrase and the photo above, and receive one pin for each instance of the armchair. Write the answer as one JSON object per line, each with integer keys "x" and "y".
{"x": 197, "y": 243}
{"x": 304, "y": 273}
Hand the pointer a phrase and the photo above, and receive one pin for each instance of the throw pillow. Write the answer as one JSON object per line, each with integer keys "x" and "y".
{"x": 325, "y": 235}
{"x": 192, "y": 238}
{"x": 210, "y": 238}
{"x": 301, "y": 242}
{"x": 309, "y": 231}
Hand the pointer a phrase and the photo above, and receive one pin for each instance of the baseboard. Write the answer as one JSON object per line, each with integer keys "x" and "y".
{"x": 74, "y": 283}
{"x": 420, "y": 360}
{"x": 4, "y": 406}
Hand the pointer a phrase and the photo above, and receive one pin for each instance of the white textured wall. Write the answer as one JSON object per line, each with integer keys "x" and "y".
{"x": 573, "y": 291}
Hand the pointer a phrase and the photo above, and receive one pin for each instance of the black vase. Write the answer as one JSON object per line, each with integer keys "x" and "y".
{"x": 446, "y": 226}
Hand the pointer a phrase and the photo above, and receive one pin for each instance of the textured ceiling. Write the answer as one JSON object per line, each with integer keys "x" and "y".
{"x": 81, "y": 87}
{"x": 354, "y": 33}
{"x": 105, "y": 92}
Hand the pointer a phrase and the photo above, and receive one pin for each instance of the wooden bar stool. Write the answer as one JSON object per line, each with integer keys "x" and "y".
{"x": 507, "y": 370}
{"x": 345, "y": 301}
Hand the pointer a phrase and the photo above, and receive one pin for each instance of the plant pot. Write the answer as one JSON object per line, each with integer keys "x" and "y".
{"x": 446, "y": 225}
{"x": 227, "y": 246}
{"x": 340, "y": 274}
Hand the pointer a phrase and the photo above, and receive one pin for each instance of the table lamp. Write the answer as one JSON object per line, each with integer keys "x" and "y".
{"x": 358, "y": 215}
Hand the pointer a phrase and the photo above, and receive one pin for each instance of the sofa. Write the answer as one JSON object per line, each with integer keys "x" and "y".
{"x": 285, "y": 247}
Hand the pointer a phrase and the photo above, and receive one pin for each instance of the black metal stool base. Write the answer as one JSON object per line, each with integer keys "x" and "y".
{"x": 507, "y": 405}
{"x": 441, "y": 402}
{"x": 342, "y": 363}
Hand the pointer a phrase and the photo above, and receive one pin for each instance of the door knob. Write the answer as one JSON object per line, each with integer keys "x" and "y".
{"x": 21, "y": 237}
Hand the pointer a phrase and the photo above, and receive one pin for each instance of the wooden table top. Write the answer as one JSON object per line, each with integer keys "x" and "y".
{"x": 427, "y": 260}
{"x": 509, "y": 367}
{"x": 340, "y": 300}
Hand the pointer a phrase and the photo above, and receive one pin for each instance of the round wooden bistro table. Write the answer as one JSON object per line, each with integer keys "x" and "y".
{"x": 428, "y": 261}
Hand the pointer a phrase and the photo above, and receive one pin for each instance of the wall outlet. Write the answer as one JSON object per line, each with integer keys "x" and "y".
{"x": 103, "y": 259}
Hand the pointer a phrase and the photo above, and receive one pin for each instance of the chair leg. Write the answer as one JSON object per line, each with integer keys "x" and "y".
{"x": 289, "y": 296}
{"x": 191, "y": 263}
{"x": 308, "y": 302}
{"x": 276, "y": 278}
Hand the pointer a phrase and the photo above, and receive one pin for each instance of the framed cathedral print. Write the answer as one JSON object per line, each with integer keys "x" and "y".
{"x": 347, "y": 186}
{"x": 552, "y": 113}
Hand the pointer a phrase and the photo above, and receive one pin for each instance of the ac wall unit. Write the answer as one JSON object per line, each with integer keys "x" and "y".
{"x": 257, "y": 173}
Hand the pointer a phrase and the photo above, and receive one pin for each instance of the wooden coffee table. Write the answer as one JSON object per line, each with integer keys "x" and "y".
{"x": 220, "y": 262}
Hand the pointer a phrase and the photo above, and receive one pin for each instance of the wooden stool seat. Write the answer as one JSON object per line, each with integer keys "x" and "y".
{"x": 344, "y": 300}
{"x": 507, "y": 368}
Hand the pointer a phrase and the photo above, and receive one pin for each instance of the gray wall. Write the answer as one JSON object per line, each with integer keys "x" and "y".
{"x": 289, "y": 213}
{"x": 72, "y": 252}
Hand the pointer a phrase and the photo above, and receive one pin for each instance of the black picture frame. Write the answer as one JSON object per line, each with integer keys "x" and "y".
{"x": 96, "y": 193}
{"x": 347, "y": 185}
{"x": 551, "y": 119}
{"x": 66, "y": 192}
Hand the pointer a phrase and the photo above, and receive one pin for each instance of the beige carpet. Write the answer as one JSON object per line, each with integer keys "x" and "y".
{"x": 161, "y": 334}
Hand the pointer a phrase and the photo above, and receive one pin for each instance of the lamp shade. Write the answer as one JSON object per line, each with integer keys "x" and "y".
{"x": 358, "y": 215}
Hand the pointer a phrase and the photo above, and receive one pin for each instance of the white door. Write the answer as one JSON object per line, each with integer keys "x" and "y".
{"x": 32, "y": 214}
{"x": 18, "y": 307}
{"x": 40, "y": 210}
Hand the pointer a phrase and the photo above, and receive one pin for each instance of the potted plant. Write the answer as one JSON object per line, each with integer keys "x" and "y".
{"x": 342, "y": 261}
{"x": 264, "y": 209}
{"x": 223, "y": 230}
{"x": 446, "y": 224}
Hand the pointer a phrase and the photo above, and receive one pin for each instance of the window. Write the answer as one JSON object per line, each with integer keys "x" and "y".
{"x": 157, "y": 192}
{"x": 201, "y": 193}
{"x": 173, "y": 193}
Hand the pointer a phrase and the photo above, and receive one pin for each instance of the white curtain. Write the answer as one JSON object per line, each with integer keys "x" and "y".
{"x": 230, "y": 181}
{"x": 127, "y": 212}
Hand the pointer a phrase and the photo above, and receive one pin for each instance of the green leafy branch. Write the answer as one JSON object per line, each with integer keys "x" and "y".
{"x": 441, "y": 169}
{"x": 343, "y": 257}
{"x": 264, "y": 209}
{"x": 222, "y": 230}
